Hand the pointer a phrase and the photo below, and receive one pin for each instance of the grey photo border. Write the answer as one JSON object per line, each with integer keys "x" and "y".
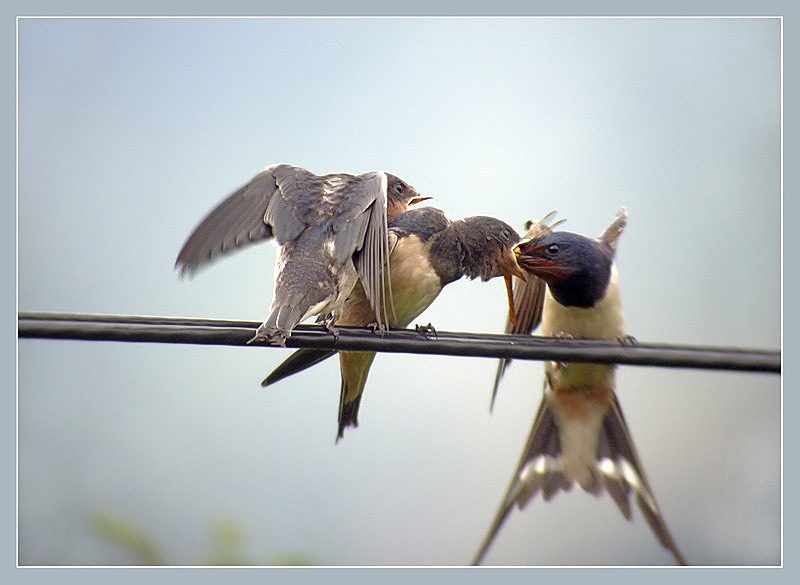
{"x": 389, "y": 575}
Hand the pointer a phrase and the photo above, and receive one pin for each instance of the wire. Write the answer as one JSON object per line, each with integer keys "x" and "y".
{"x": 146, "y": 329}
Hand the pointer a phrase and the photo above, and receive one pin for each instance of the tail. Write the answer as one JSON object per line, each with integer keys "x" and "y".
{"x": 281, "y": 322}
{"x": 354, "y": 367}
{"x": 300, "y": 360}
{"x": 616, "y": 469}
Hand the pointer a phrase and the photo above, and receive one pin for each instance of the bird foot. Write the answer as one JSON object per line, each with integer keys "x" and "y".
{"x": 426, "y": 330}
{"x": 375, "y": 327}
{"x": 627, "y": 341}
{"x": 269, "y": 335}
{"x": 329, "y": 326}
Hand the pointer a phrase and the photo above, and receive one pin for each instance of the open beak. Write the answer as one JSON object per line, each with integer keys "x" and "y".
{"x": 538, "y": 266}
{"x": 416, "y": 200}
{"x": 509, "y": 267}
{"x": 512, "y": 314}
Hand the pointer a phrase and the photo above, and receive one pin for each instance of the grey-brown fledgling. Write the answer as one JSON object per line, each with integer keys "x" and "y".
{"x": 427, "y": 252}
{"x": 331, "y": 231}
{"x": 579, "y": 435}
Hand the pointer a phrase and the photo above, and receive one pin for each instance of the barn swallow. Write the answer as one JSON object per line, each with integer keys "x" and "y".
{"x": 427, "y": 252}
{"x": 331, "y": 231}
{"x": 579, "y": 435}
{"x": 528, "y": 298}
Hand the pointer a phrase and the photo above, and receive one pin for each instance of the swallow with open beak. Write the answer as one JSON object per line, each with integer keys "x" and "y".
{"x": 427, "y": 252}
{"x": 579, "y": 435}
{"x": 331, "y": 231}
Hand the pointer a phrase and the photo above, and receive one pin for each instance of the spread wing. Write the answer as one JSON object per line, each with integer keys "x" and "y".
{"x": 236, "y": 222}
{"x": 528, "y": 298}
{"x": 282, "y": 202}
{"x": 614, "y": 230}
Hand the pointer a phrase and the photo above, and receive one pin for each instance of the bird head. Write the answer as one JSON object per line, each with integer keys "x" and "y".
{"x": 400, "y": 196}
{"x": 576, "y": 268}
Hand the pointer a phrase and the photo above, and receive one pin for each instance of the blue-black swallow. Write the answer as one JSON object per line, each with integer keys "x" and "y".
{"x": 331, "y": 231}
{"x": 427, "y": 252}
{"x": 579, "y": 435}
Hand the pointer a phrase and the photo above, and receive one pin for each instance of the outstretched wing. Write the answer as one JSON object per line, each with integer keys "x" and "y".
{"x": 282, "y": 202}
{"x": 236, "y": 222}
{"x": 611, "y": 234}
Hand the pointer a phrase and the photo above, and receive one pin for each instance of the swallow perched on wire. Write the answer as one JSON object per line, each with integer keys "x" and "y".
{"x": 331, "y": 231}
{"x": 427, "y": 252}
{"x": 579, "y": 435}
{"x": 527, "y": 298}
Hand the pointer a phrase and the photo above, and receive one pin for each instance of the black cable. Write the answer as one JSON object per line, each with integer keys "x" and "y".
{"x": 527, "y": 347}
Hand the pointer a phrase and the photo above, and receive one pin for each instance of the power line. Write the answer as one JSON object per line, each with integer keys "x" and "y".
{"x": 145, "y": 329}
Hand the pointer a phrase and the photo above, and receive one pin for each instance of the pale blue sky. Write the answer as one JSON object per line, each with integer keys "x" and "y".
{"x": 131, "y": 130}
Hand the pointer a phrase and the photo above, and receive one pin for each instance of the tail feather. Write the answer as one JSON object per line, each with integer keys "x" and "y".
{"x": 348, "y": 415}
{"x": 354, "y": 367}
{"x": 300, "y": 360}
{"x": 616, "y": 469}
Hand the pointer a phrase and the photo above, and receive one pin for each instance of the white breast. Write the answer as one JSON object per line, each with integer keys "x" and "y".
{"x": 603, "y": 321}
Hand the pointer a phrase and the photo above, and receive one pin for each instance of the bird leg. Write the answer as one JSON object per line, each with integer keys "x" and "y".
{"x": 327, "y": 320}
{"x": 426, "y": 330}
{"x": 269, "y": 335}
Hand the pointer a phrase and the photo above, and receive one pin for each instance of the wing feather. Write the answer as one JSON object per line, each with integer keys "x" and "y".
{"x": 611, "y": 234}
{"x": 528, "y": 298}
{"x": 236, "y": 222}
{"x": 373, "y": 258}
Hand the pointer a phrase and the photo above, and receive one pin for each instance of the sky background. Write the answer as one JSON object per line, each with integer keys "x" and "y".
{"x": 131, "y": 130}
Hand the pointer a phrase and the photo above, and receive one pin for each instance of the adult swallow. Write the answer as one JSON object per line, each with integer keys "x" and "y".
{"x": 331, "y": 231}
{"x": 579, "y": 435}
{"x": 427, "y": 252}
{"x": 527, "y": 298}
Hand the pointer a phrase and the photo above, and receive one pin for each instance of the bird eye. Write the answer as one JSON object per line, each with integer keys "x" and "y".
{"x": 398, "y": 187}
{"x": 506, "y": 234}
{"x": 553, "y": 249}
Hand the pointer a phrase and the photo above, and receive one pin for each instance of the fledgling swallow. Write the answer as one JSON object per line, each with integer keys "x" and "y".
{"x": 579, "y": 435}
{"x": 331, "y": 231}
{"x": 528, "y": 298}
{"x": 427, "y": 252}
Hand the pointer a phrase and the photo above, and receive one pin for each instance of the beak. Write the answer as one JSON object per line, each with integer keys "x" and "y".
{"x": 509, "y": 265}
{"x": 508, "y": 268}
{"x": 512, "y": 314}
{"x": 539, "y": 266}
{"x": 416, "y": 200}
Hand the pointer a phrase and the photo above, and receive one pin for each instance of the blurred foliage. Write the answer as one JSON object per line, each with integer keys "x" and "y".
{"x": 226, "y": 535}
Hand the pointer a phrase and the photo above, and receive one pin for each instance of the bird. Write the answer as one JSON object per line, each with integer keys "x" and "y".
{"x": 331, "y": 232}
{"x": 579, "y": 435}
{"x": 528, "y": 298}
{"x": 427, "y": 252}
